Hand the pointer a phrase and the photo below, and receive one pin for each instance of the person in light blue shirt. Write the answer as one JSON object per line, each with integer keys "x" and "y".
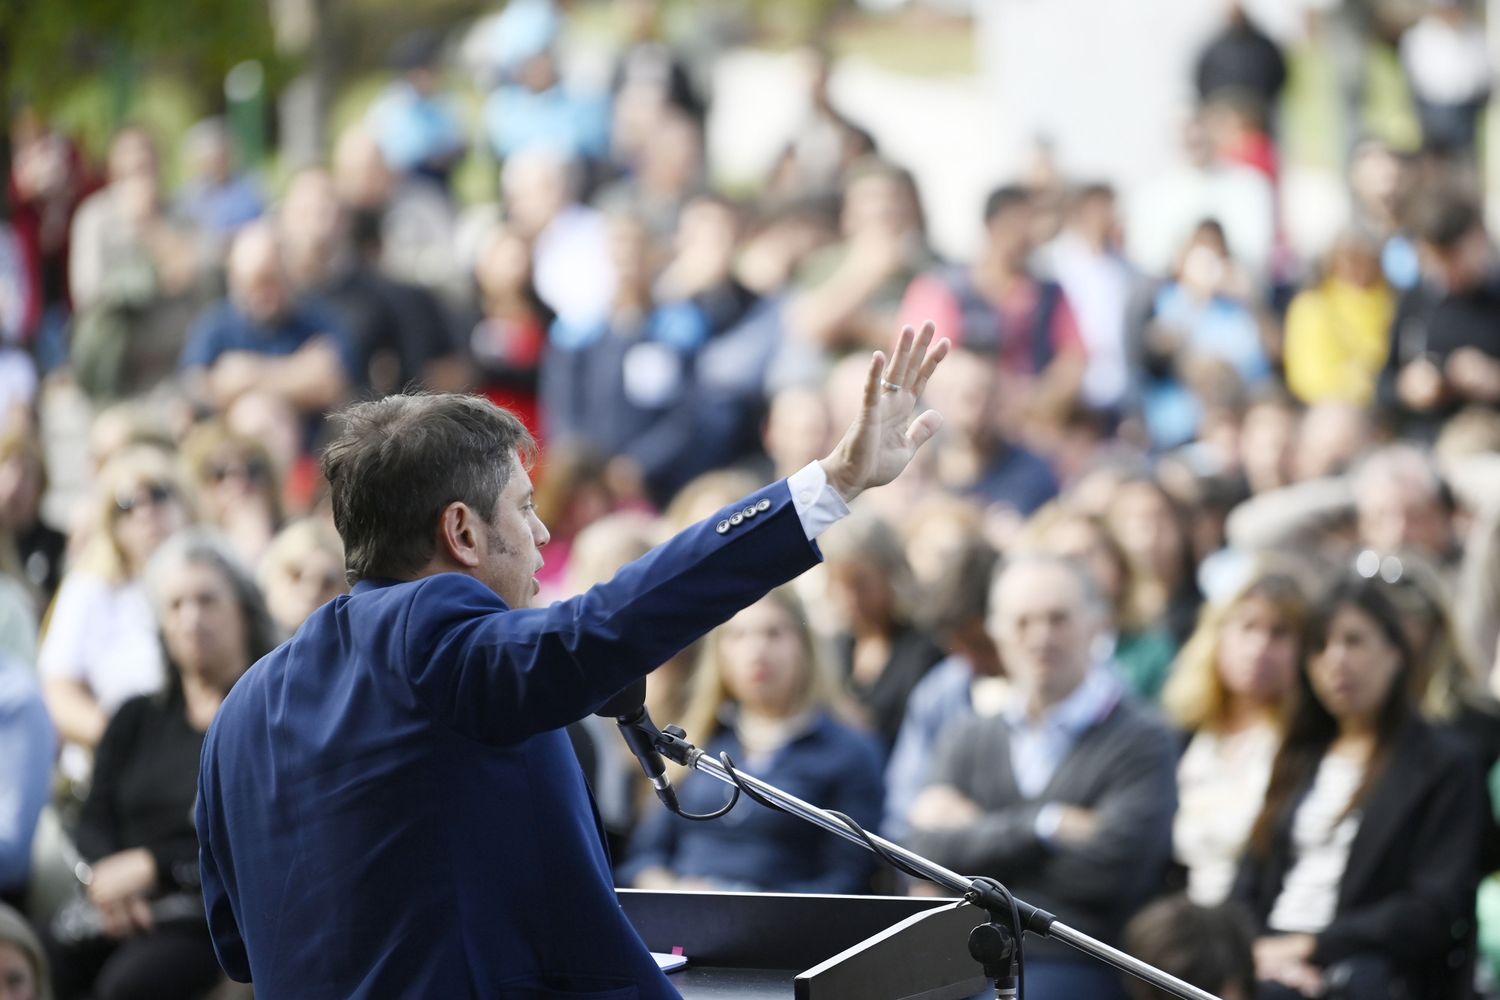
{"x": 1202, "y": 323}
{"x": 417, "y": 128}
{"x": 216, "y": 199}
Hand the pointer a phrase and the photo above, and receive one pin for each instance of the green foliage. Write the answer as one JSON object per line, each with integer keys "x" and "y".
{"x": 54, "y": 49}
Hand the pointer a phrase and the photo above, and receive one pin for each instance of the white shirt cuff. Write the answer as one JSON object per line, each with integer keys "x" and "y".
{"x": 818, "y": 505}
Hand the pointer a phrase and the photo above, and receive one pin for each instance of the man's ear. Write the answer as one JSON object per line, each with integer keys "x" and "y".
{"x": 458, "y": 535}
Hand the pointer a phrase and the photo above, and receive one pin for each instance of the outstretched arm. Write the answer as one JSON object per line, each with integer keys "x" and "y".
{"x": 500, "y": 674}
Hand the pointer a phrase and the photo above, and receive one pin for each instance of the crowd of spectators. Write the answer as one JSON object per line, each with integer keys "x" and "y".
{"x": 1186, "y": 627}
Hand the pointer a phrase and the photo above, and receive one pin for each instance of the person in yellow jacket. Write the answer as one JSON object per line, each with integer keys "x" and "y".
{"x": 1338, "y": 331}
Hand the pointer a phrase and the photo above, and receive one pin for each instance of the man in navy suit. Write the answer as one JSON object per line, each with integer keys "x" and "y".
{"x": 388, "y": 807}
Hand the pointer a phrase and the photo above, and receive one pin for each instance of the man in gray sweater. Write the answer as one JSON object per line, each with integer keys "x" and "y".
{"x": 1065, "y": 791}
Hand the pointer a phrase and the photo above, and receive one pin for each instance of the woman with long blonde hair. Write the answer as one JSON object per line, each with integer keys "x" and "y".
{"x": 100, "y": 647}
{"x": 1231, "y": 689}
{"x": 764, "y": 693}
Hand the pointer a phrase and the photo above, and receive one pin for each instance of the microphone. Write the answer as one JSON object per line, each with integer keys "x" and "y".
{"x": 628, "y": 709}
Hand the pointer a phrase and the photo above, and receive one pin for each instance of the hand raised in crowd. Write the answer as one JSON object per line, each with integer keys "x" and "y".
{"x": 885, "y": 435}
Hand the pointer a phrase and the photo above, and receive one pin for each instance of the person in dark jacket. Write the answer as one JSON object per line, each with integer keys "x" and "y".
{"x": 1241, "y": 61}
{"x": 1361, "y": 868}
{"x": 142, "y": 932}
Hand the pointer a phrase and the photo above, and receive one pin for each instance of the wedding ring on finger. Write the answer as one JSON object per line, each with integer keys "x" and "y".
{"x": 889, "y": 386}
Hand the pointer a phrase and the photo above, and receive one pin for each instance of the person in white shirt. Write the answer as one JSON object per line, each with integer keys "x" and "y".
{"x": 101, "y": 646}
{"x": 1447, "y": 62}
{"x": 1230, "y": 690}
{"x": 1362, "y": 866}
{"x": 1086, "y": 260}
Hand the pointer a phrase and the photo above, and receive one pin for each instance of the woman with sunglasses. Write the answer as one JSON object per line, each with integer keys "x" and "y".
{"x": 302, "y": 570}
{"x": 100, "y": 647}
{"x": 237, "y": 487}
{"x": 1361, "y": 865}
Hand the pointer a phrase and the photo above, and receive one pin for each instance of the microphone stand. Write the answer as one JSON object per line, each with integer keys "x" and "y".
{"x": 994, "y": 945}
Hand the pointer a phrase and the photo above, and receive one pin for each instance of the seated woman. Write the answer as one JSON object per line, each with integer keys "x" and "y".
{"x": 237, "y": 487}
{"x": 881, "y": 653}
{"x": 136, "y": 831}
{"x": 1361, "y": 865}
{"x": 101, "y": 646}
{"x": 302, "y": 571}
{"x": 1230, "y": 691}
{"x": 764, "y": 694}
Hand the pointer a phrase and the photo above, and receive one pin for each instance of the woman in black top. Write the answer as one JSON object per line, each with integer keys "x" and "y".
{"x": 1361, "y": 866}
{"x": 147, "y": 935}
{"x": 882, "y": 654}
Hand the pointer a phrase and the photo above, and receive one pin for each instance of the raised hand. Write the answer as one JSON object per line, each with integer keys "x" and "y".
{"x": 885, "y": 435}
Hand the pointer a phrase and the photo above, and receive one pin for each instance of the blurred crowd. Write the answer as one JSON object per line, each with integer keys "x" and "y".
{"x": 1195, "y": 599}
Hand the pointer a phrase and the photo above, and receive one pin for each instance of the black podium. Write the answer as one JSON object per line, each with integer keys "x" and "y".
{"x": 771, "y": 945}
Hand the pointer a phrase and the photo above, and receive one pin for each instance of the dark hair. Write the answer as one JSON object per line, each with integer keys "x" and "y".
{"x": 399, "y": 461}
{"x": 1003, "y": 198}
{"x": 1312, "y": 728}
{"x": 1209, "y": 226}
{"x": 1443, "y": 218}
{"x": 1186, "y": 597}
{"x": 1209, "y": 947}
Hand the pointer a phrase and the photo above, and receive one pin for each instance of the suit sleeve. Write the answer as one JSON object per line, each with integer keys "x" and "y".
{"x": 1414, "y": 924}
{"x": 501, "y": 675}
{"x": 654, "y": 845}
{"x": 223, "y": 928}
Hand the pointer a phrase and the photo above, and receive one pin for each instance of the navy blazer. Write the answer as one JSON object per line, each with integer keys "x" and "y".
{"x": 389, "y": 808}
{"x": 1407, "y": 892}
